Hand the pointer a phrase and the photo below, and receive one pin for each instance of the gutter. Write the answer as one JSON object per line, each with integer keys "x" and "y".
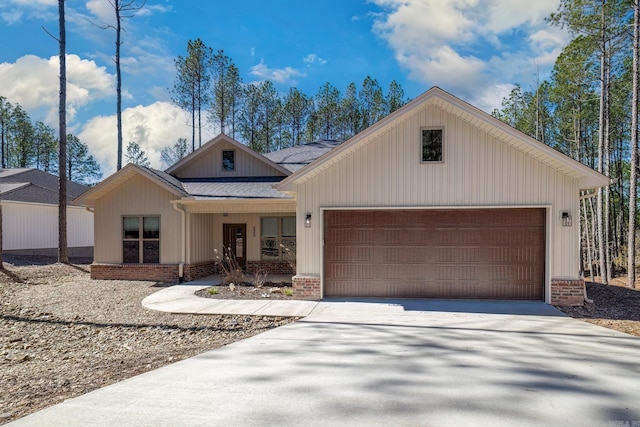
{"x": 183, "y": 246}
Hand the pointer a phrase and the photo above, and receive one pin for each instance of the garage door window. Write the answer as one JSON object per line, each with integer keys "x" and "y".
{"x": 278, "y": 234}
{"x": 141, "y": 239}
{"x": 432, "y": 141}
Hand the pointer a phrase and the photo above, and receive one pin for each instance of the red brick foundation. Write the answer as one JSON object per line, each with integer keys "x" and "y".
{"x": 271, "y": 267}
{"x": 567, "y": 292}
{"x": 306, "y": 287}
{"x": 169, "y": 272}
{"x": 199, "y": 270}
{"x": 155, "y": 272}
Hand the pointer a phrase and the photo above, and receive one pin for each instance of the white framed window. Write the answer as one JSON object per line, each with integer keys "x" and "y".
{"x": 432, "y": 145}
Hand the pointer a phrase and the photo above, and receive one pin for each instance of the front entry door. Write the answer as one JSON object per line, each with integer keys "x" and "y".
{"x": 235, "y": 242}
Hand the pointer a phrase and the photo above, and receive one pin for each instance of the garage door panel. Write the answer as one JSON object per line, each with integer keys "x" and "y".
{"x": 492, "y": 253}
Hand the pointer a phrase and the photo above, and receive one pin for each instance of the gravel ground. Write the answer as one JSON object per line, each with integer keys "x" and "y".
{"x": 63, "y": 334}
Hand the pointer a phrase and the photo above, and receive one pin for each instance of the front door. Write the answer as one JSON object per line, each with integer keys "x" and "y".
{"x": 235, "y": 242}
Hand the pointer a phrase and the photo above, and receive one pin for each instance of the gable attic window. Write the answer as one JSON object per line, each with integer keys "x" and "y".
{"x": 432, "y": 144}
{"x": 141, "y": 239}
{"x": 228, "y": 160}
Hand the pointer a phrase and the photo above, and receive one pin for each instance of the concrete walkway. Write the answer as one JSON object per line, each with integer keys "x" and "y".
{"x": 388, "y": 363}
{"x": 182, "y": 299}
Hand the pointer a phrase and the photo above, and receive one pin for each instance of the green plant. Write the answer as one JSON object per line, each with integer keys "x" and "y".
{"x": 213, "y": 291}
{"x": 231, "y": 269}
{"x": 288, "y": 292}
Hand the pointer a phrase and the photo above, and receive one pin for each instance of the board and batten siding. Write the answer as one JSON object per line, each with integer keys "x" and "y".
{"x": 209, "y": 164}
{"x": 478, "y": 170}
{"x": 35, "y": 226}
{"x": 138, "y": 196}
{"x": 207, "y": 229}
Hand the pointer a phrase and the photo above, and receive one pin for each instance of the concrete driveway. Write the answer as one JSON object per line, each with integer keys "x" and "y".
{"x": 391, "y": 363}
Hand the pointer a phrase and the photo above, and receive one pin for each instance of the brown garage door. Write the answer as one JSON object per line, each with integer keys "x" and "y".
{"x": 469, "y": 253}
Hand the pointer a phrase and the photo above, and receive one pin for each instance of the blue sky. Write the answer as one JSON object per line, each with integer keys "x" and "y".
{"x": 475, "y": 49}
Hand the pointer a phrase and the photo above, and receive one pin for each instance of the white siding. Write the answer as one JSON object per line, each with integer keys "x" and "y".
{"x": 35, "y": 226}
{"x": 478, "y": 170}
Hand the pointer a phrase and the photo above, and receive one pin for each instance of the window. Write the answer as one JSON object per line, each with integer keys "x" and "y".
{"x": 274, "y": 232}
{"x": 432, "y": 145}
{"x": 228, "y": 160}
{"x": 141, "y": 239}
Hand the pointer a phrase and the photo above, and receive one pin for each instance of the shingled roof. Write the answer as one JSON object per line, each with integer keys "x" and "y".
{"x": 296, "y": 157}
{"x": 30, "y": 185}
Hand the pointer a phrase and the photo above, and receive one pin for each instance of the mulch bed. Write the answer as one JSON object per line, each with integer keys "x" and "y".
{"x": 247, "y": 291}
{"x": 615, "y": 306}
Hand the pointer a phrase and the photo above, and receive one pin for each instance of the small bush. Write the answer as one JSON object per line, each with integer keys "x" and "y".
{"x": 288, "y": 292}
{"x": 213, "y": 291}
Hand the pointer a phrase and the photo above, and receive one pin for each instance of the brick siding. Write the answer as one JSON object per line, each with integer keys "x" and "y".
{"x": 306, "y": 287}
{"x": 156, "y": 272}
{"x": 199, "y": 270}
{"x": 271, "y": 267}
{"x": 567, "y": 292}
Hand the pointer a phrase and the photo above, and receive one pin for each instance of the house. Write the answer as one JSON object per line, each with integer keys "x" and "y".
{"x": 439, "y": 199}
{"x": 29, "y": 199}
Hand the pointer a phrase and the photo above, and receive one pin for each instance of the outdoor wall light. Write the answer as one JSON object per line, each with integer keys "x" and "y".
{"x": 307, "y": 221}
{"x": 566, "y": 219}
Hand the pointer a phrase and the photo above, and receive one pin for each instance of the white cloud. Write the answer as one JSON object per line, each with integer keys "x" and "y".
{"x": 279, "y": 75}
{"x": 33, "y": 82}
{"x": 153, "y": 127}
{"x": 457, "y": 44}
{"x": 14, "y": 11}
{"x": 312, "y": 58}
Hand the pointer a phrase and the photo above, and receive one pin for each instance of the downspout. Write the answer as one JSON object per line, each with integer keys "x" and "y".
{"x": 183, "y": 246}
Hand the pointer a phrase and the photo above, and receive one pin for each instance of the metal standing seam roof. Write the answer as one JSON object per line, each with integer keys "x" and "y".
{"x": 233, "y": 190}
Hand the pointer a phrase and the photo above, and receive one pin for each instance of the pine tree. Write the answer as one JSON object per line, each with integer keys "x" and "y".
{"x": 191, "y": 87}
{"x": 136, "y": 155}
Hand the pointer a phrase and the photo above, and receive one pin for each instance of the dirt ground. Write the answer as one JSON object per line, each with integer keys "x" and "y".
{"x": 63, "y": 334}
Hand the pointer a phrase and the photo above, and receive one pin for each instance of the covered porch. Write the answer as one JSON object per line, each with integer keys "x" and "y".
{"x": 260, "y": 235}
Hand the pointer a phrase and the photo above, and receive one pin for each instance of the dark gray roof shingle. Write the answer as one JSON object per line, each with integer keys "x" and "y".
{"x": 294, "y": 158}
{"x": 35, "y": 186}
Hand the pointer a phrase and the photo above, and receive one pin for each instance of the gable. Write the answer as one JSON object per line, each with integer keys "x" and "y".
{"x": 124, "y": 176}
{"x": 207, "y": 162}
{"x": 478, "y": 169}
{"x": 447, "y": 103}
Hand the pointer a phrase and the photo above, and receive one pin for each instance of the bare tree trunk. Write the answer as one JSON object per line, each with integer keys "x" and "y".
{"x": 631, "y": 239}
{"x": 602, "y": 246}
{"x": 118, "y": 83}
{"x": 587, "y": 238}
{"x": 63, "y": 256}
{"x": 607, "y": 171}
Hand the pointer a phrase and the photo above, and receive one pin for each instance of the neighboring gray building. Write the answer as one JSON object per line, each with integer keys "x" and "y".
{"x": 29, "y": 199}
